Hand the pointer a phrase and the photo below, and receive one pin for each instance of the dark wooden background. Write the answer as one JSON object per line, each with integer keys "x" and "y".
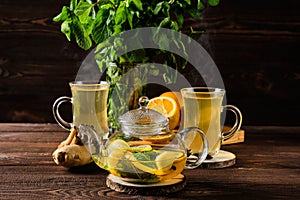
{"x": 255, "y": 45}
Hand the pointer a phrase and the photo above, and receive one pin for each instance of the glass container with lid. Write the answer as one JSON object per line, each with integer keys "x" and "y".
{"x": 144, "y": 150}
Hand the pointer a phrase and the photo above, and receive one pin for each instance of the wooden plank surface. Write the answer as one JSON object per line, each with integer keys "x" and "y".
{"x": 254, "y": 44}
{"x": 268, "y": 167}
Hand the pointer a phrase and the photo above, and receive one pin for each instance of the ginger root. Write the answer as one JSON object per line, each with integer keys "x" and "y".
{"x": 71, "y": 153}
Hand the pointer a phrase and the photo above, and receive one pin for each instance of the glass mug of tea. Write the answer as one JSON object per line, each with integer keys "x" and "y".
{"x": 89, "y": 100}
{"x": 203, "y": 108}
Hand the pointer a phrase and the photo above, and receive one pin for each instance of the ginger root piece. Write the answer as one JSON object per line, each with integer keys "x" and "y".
{"x": 72, "y": 155}
{"x": 71, "y": 152}
{"x": 69, "y": 139}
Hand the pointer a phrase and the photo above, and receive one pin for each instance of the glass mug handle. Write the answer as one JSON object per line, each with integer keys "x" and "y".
{"x": 237, "y": 125}
{"x": 202, "y": 154}
{"x": 55, "y": 111}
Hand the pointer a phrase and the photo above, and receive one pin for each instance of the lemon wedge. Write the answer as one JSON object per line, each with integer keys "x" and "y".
{"x": 165, "y": 159}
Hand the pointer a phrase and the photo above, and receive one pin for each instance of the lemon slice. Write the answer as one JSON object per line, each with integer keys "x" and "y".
{"x": 116, "y": 153}
{"x": 139, "y": 148}
{"x": 117, "y": 145}
{"x": 178, "y": 164}
{"x": 142, "y": 164}
{"x": 166, "y": 158}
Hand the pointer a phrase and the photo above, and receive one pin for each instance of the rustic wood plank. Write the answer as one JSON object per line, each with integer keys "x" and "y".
{"x": 267, "y": 167}
{"x": 30, "y": 127}
{"x": 206, "y": 185}
{"x": 254, "y": 44}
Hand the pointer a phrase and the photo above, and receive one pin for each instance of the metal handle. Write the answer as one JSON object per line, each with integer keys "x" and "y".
{"x": 55, "y": 111}
{"x": 237, "y": 125}
{"x": 202, "y": 154}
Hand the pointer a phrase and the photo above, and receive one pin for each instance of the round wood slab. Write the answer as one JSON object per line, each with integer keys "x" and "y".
{"x": 221, "y": 160}
{"x": 161, "y": 188}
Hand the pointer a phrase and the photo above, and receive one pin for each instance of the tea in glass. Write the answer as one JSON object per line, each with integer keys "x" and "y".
{"x": 202, "y": 108}
{"x": 89, "y": 106}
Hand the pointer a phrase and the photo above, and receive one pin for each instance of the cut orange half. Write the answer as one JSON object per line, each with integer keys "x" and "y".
{"x": 174, "y": 95}
{"x": 168, "y": 107}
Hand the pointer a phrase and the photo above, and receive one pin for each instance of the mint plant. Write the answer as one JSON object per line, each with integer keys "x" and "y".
{"x": 93, "y": 22}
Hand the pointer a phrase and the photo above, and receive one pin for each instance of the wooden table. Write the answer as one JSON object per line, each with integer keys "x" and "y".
{"x": 268, "y": 167}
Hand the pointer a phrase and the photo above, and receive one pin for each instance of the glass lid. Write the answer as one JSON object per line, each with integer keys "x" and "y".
{"x": 142, "y": 120}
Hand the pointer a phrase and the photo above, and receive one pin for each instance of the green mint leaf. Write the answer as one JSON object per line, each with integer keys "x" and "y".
{"x": 138, "y": 4}
{"x": 73, "y": 4}
{"x": 105, "y": 7}
{"x": 166, "y": 9}
{"x": 136, "y": 56}
{"x": 188, "y": 2}
{"x": 158, "y": 8}
{"x": 165, "y": 22}
{"x": 117, "y": 29}
{"x": 88, "y": 25}
{"x": 195, "y": 13}
{"x": 130, "y": 18}
{"x": 145, "y": 156}
{"x": 82, "y": 38}
{"x": 101, "y": 46}
{"x": 200, "y": 5}
{"x": 120, "y": 17}
{"x": 83, "y": 11}
{"x": 82, "y": 7}
{"x": 180, "y": 18}
{"x": 99, "y": 34}
{"x": 65, "y": 28}
{"x": 174, "y": 25}
{"x": 63, "y": 15}
{"x": 100, "y": 31}
{"x": 213, "y": 2}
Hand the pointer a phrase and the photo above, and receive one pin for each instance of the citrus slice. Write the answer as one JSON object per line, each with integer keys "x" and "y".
{"x": 165, "y": 159}
{"x": 167, "y": 107}
{"x": 117, "y": 145}
{"x": 177, "y": 168}
{"x": 139, "y": 148}
{"x": 177, "y": 96}
{"x": 116, "y": 153}
{"x": 174, "y": 95}
{"x": 142, "y": 165}
{"x": 160, "y": 139}
{"x": 139, "y": 142}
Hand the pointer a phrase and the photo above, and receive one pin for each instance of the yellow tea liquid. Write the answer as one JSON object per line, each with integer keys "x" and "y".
{"x": 203, "y": 111}
{"x": 136, "y": 160}
{"x": 90, "y": 107}
{"x": 131, "y": 169}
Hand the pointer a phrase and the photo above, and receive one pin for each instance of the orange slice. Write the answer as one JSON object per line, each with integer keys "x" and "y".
{"x": 174, "y": 95}
{"x": 159, "y": 139}
{"x": 167, "y": 107}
